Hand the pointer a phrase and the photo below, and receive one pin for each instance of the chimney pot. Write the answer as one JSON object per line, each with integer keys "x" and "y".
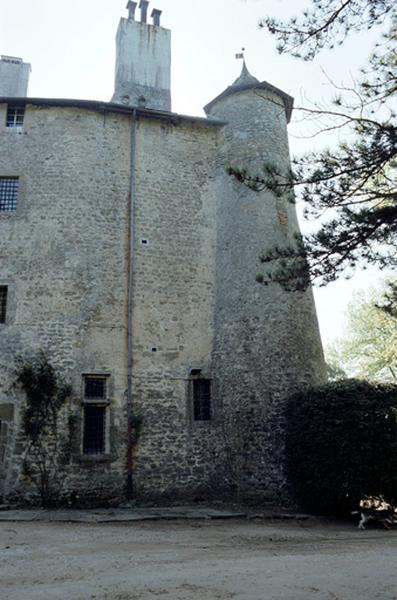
{"x": 156, "y": 14}
{"x": 131, "y": 6}
{"x": 143, "y": 5}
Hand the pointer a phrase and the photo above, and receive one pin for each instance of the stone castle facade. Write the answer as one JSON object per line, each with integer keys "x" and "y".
{"x": 130, "y": 256}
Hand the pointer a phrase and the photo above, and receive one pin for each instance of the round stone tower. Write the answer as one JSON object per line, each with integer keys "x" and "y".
{"x": 267, "y": 342}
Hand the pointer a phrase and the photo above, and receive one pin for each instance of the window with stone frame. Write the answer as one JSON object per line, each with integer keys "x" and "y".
{"x": 8, "y": 193}
{"x": 15, "y": 115}
{"x": 95, "y": 409}
{"x": 202, "y": 409}
{"x": 3, "y": 303}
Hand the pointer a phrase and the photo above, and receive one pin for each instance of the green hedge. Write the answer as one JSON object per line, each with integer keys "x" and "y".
{"x": 341, "y": 445}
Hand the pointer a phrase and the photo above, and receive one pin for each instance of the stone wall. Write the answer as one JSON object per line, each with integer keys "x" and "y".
{"x": 196, "y": 304}
{"x": 63, "y": 254}
{"x": 174, "y": 306}
{"x": 267, "y": 342}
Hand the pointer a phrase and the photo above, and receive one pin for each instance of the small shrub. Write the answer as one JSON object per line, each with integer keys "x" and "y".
{"x": 46, "y": 394}
{"x": 341, "y": 445}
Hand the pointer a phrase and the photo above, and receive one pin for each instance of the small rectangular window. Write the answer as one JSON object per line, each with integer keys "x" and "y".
{"x": 3, "y": 440}
{"x": 3, "y": 303}
{"x": 202, "y": 399}
{"x": 95, "y": 388}
{"x": 15, "y": 115}
{"x": 8, "y": 193}
{"x": 95, "y": 414}
{"x": 94, "y": 429}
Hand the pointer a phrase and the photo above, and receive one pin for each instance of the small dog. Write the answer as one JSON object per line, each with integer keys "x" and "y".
{"x": 387, "y": 517}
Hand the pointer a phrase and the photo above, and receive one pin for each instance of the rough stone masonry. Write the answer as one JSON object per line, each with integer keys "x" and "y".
{"x": 130, "y": 256}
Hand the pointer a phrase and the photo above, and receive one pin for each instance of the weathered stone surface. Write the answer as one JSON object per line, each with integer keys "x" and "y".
{"x": 143, "y": 65}
{"x": 198, "y": 234}
{"x": 267, "y": 343}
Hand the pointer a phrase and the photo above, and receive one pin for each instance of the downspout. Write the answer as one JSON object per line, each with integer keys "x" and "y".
{"x": 131, "y": 262}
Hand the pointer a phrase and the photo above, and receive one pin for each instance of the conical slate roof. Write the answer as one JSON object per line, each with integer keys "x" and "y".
{"x": 247, "y": 81}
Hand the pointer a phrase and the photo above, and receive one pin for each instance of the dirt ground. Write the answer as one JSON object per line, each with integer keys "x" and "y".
{"x": 200, "y": 560}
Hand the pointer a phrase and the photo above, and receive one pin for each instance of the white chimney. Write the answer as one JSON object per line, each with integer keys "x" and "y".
{"x": 14, "y": 77}
{"x": 143, "y": 61}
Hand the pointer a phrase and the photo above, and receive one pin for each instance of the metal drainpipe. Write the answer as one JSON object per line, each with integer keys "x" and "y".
{"x": 129, "y": 303}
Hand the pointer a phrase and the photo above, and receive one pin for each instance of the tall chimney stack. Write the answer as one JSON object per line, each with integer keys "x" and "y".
{"x": 14, "y": 77}
{"x": 143, "y": 61}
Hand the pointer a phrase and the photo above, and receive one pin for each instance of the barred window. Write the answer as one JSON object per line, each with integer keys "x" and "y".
{"x": 94, "y": 429}
{"x": 3, "y": 440}
{"x": 95, "y": 414}
{"x": 15, "y": 115}
{"x": 3, "y": 303}
{"x": 8, "y": 193}
{"x": 202, "y": 399}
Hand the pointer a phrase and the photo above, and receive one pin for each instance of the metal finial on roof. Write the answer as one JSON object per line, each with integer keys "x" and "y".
{"x": 241, "y": 54}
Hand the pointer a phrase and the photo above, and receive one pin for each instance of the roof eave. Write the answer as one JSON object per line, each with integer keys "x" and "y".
{"x": 112, "y": 107}
{"x": 264, "y": 85}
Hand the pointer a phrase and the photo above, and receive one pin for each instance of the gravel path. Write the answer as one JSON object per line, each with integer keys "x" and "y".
{"x": 186, "y": 560}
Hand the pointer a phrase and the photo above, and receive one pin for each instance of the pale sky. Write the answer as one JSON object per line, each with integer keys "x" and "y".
{"x": 71, "y": 48}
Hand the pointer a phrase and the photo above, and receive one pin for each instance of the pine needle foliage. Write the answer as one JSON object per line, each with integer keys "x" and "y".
{"x": 326, "y": 24}
{"x": 351, "y": 191}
